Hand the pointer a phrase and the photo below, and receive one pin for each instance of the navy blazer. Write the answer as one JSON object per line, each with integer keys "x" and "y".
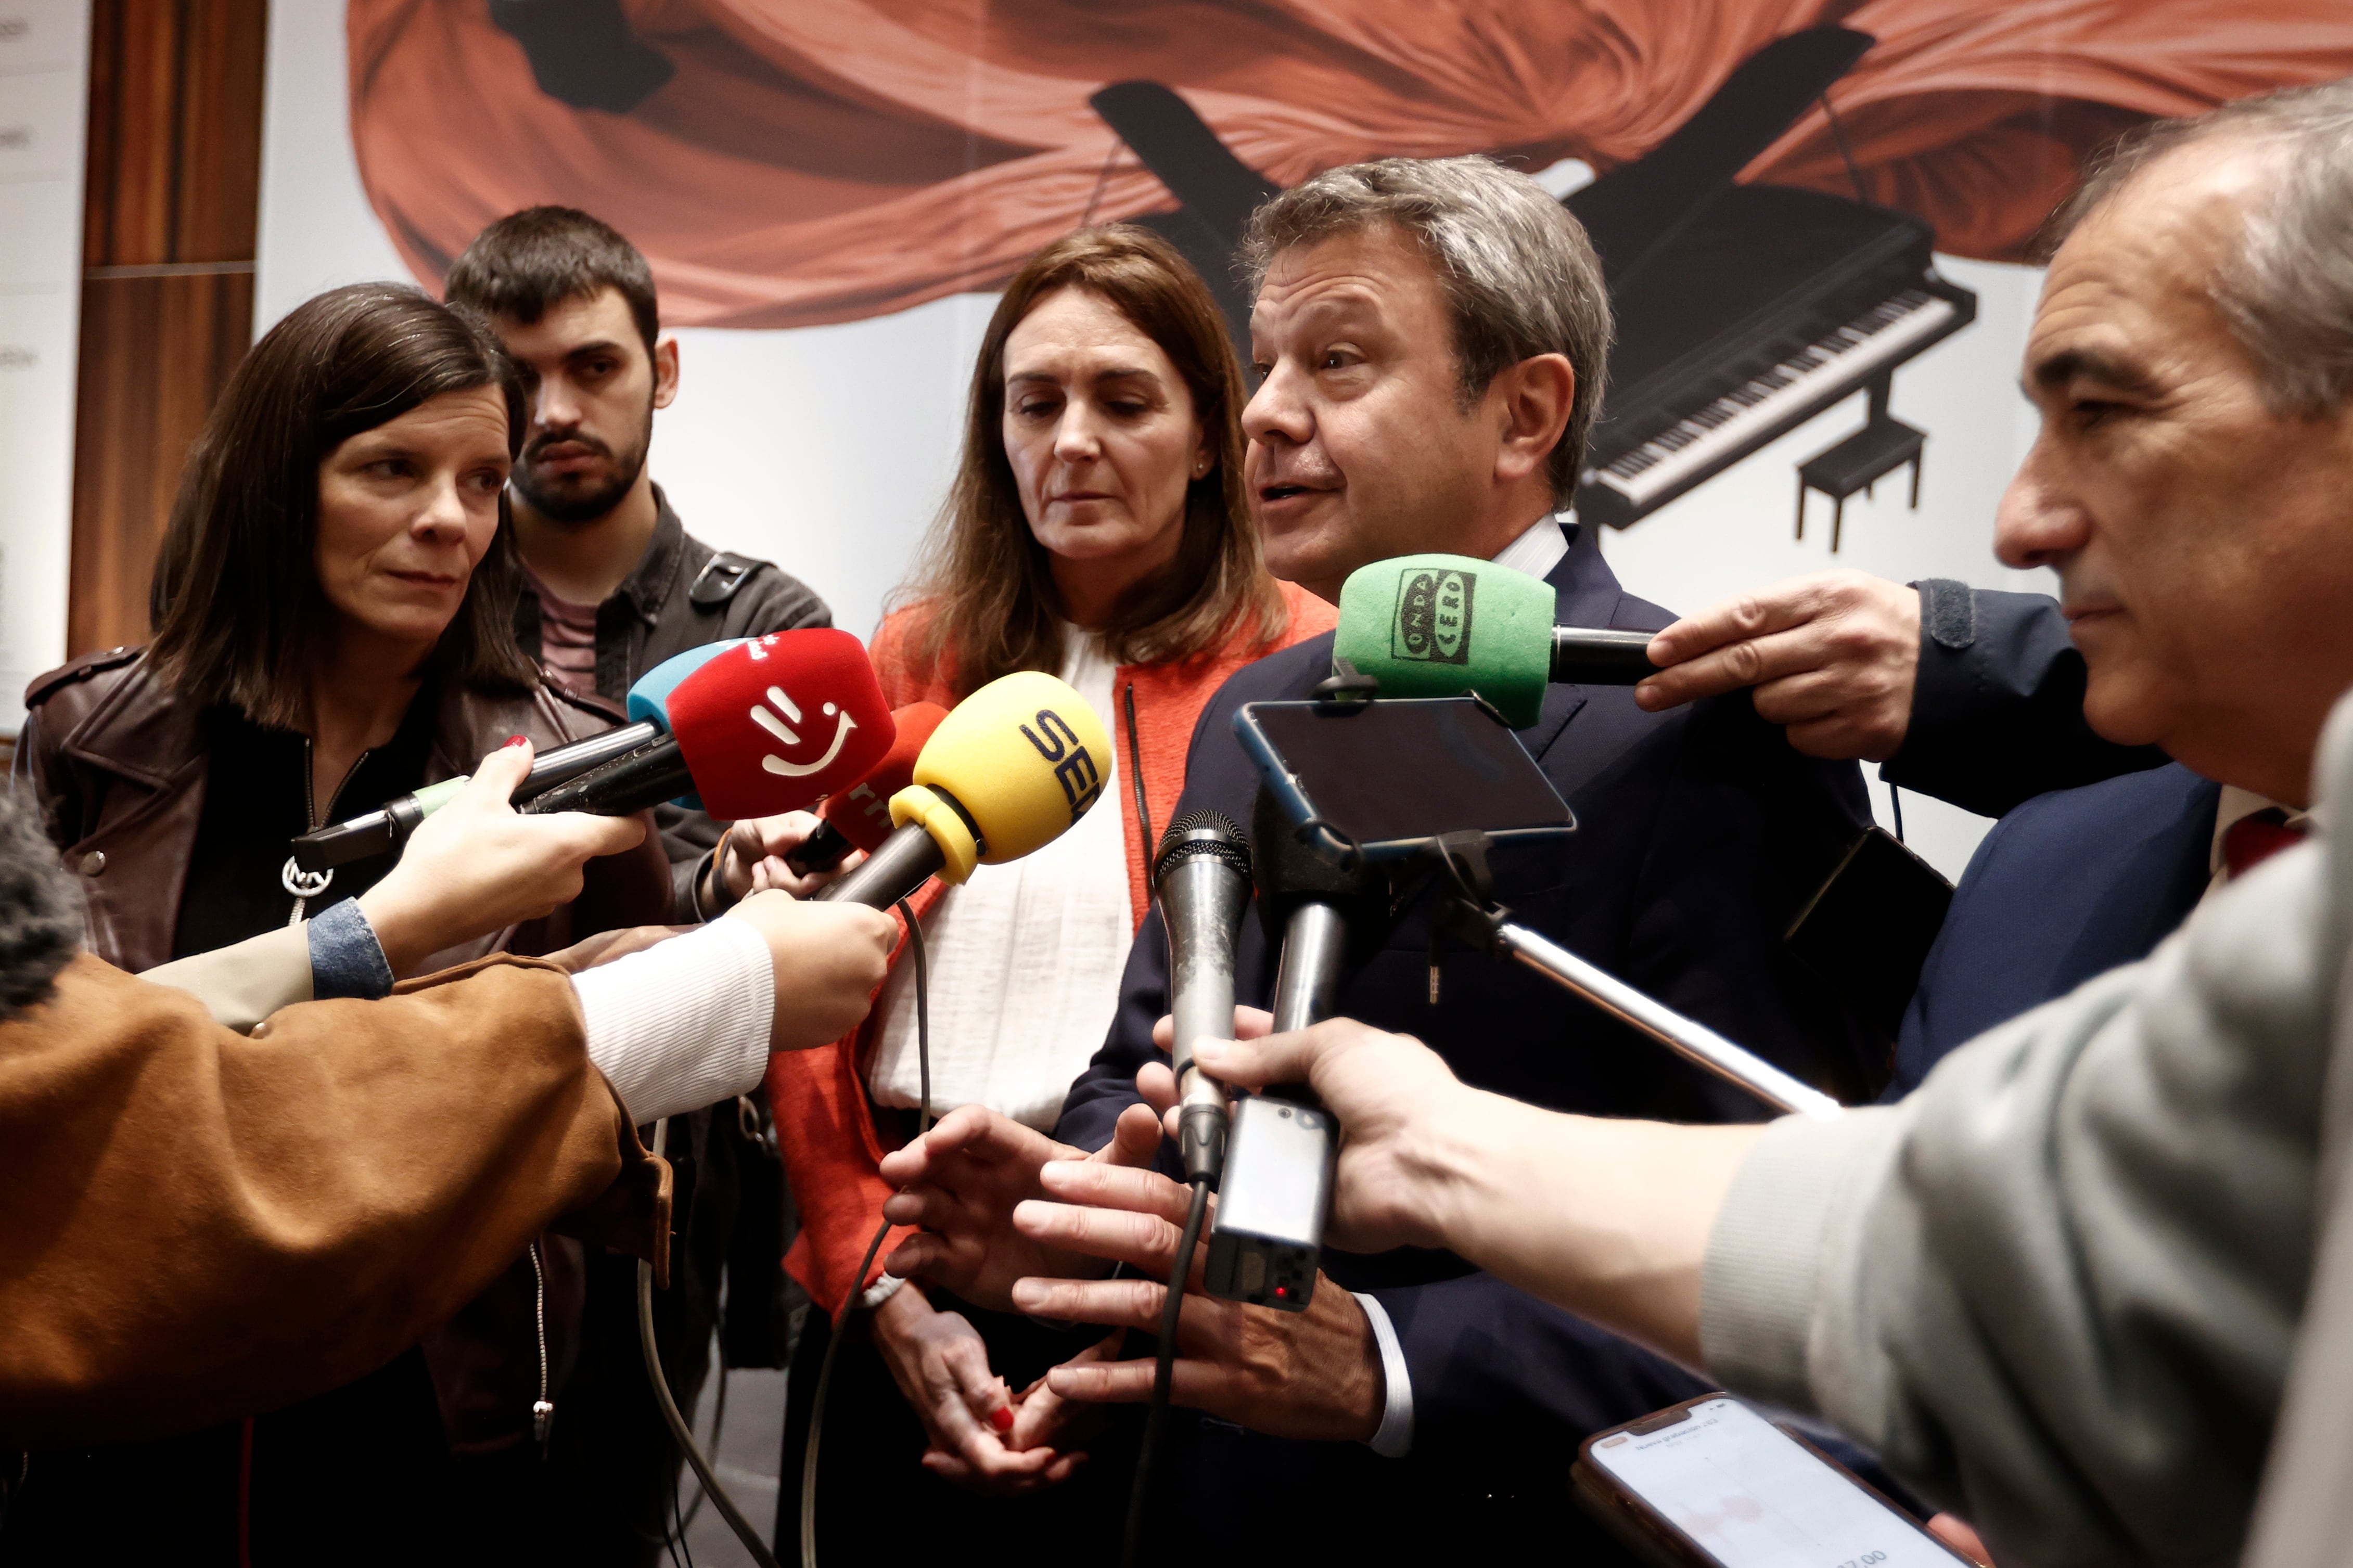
{"x": 1700, "y": 832}
{"x": 2068, "y": 886}
{"x": 1998, "y": 704}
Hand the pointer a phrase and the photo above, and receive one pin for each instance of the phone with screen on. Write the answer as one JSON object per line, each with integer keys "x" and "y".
{"x": 1710, "y": 1483}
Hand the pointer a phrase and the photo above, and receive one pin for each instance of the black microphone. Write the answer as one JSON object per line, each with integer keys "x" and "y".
{"x": 1278, "y": 1177}
{"x": 381, "y": 831}
{"x": 1202, "y": 879}
{"x": 653, "y": 773}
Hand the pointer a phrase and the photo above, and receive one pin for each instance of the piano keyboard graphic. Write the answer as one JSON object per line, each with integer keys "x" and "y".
{"x": 1838, "y": 363}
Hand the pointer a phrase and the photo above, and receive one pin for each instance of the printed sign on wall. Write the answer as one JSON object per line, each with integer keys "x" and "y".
{"x": 42, "y": 98}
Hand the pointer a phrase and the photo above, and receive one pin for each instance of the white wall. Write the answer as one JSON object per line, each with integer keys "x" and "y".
{"x": 44, "y": 48}
{"x": 827, "y": 450}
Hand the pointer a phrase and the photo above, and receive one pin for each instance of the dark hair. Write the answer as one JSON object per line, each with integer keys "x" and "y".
{"x": 1520, "y": 273}
{"x": 989, "y": 598}
{"x": 238, "y": 612}
{"x": 540, "y": 257}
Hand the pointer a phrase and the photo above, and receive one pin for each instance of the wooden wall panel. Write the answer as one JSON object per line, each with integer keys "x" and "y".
{"x": 154, "y": 351}
{"x": 174, "y": 187}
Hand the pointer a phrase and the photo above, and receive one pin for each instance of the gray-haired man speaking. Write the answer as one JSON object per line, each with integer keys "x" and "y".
{"x": 1430, "y": 339}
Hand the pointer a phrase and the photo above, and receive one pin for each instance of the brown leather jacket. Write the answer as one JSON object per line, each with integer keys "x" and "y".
{"x": 203, "y": 1224}
{"x": 116, "y": 767}
{"x": 116, "y": 763}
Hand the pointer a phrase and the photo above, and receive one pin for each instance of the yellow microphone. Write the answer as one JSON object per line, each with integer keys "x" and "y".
{"x": 1008, "y": 772}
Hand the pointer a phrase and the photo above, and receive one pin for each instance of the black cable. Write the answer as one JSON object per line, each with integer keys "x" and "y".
{"x": 1164, "y": 1373}
{"x": 669, "y": 1406}
{"x": 684, "y": 1544}
{"x": 717, "y": 1421}
{"x": 1135, "y": 776}
{"x": 857, "y": 1280}
{"x": 817, "y": 1401}
{"x": 1895, "y": 799}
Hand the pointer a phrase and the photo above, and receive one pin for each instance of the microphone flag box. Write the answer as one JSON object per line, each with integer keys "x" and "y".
{"x": 649, "y": 700}
{"x": 1440, "y": 625}
{"x": 775, "y": 723}
{"x": 1276, "y": 1188}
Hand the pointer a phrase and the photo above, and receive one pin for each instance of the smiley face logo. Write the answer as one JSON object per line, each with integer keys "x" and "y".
{"x": 781, "y": 728}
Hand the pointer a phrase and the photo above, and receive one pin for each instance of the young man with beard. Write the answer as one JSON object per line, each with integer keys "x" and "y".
{"x": 614, "y": 586}
{"x": 613, "y": 582}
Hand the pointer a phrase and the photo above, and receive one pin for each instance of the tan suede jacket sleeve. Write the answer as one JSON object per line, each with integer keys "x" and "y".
{"x": 201, "y": 1223}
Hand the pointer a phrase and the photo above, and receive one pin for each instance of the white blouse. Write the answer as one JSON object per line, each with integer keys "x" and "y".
{"x": 1025, "y": 958}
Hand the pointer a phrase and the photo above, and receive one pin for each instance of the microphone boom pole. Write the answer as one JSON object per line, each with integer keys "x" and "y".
{"x": 1688, "y": 1038}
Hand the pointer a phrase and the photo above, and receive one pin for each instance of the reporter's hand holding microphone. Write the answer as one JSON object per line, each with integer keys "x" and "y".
{"x": 479, "y": 866}
{"x": 674, "y": 1023}
{"x": 1833, "y": 656}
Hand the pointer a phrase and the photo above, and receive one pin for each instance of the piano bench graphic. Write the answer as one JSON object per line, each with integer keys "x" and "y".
{"x": 1882, "y": 446}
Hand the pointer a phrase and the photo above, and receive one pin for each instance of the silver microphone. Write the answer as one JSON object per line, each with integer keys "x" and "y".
{"x": 1202, "y": 879}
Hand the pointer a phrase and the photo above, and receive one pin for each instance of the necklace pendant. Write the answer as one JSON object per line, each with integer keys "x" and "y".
{"x": 304, "y": 884}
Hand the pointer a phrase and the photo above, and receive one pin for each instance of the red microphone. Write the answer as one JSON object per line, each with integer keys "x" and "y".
{"x": 860, "y": 817}
{"x": 771, "y": 725}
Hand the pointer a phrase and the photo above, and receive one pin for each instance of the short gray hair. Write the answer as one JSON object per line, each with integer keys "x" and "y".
{"x": 2287, "y": 295}
{"x": 1519, "y": 276}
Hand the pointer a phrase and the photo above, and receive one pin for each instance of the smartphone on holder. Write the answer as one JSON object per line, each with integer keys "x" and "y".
{"x": 1711, "y": 1483}
{"x": 1394, "y": 773}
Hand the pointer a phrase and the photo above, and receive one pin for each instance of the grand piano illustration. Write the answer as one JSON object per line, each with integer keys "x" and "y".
{"x": 1743, "y": 311}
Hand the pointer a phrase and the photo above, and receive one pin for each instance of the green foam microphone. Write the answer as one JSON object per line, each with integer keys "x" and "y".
{"x": 1440, "y": 625}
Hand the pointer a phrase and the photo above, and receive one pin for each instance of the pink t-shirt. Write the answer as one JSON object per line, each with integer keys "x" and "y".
{"x": 567, "y": 638}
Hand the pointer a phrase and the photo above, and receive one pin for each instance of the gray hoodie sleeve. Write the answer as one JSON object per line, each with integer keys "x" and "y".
{"x": 2057, "y": 1288}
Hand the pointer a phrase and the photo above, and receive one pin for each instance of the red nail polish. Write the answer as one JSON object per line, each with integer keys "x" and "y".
{"x": 1001, "y": 1418}
{"x": 517, "y": 740}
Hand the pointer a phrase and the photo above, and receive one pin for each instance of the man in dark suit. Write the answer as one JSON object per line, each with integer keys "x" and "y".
{"x": 1416, "y": 397}
{"x": 2069, "y": 885}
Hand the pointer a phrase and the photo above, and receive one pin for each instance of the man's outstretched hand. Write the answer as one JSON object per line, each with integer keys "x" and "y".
{"x": 1832, "y": 656}
{"x": 959, "y": 1184}
{"x": 1314, "y": 1374}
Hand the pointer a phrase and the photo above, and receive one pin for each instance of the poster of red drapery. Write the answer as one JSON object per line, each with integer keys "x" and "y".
{"x": 1774, "y": 175}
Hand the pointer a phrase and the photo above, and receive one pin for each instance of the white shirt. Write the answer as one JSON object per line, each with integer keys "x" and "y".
{"x": 1539, "y": 547}
{"x": 1025, "y": 958}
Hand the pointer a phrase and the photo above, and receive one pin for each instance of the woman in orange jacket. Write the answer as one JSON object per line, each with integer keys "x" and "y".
{"x": 1096, "y": 530}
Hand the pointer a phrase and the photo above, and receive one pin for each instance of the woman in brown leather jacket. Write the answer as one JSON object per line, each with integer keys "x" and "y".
{"x": 330, "y": 610}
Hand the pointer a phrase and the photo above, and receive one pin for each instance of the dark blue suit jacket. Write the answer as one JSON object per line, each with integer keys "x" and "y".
{"x": 1998, "y": 704}
{"x": 2068, "y": 886}
{"x": 1700, "y": 832}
